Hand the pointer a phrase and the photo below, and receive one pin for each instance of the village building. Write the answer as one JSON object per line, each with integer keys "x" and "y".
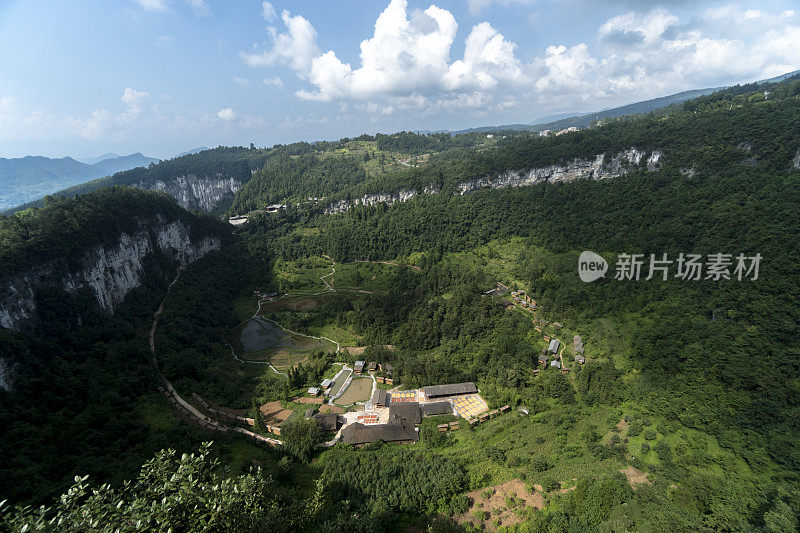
{"x": 555, "y": 363}
{"x": 313, "y": 391}
{"x": 328, "y": 421}
{"x": 358, "y": 368}
{"x": 437, "y": 408}
{"x": 326, "y": 383}
{"x": 554, "y": 344}
{"x": 381, "y": 398}
{"x": 396, "y": 430}
{"x": 455, "y": 389}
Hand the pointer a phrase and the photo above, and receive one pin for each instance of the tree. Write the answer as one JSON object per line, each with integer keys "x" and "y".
{"x": 301, "y": 437}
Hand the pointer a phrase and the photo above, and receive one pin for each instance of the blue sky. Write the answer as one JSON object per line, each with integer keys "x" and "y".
{"x": 82, "y": 78}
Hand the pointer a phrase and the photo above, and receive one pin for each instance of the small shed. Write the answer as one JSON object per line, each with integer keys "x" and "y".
{"x": 326, "y": 383}
{"x": 543, "y": 359}
{"x": 580, "y": 359}
{"x": 555, "y": 363}
{"x": 358, "y": 368}
{"x": 372, "y": 366}
{"x": 554, "y": 344}
{"x": 313, "y": 391}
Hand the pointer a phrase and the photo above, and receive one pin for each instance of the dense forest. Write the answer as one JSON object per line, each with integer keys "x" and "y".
{"x": 702, "y": 375}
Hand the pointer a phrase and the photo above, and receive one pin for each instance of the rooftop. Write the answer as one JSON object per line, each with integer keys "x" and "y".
{"x": 436, "y": 391}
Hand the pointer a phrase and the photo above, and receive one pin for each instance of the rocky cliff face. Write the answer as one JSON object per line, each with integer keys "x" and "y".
{"x": 796, "y": 161}
{"x": 110, "y": 272}
{"x": 600, "y": 167}
{"x": 5, "y": 374}
{"x": 597, "y": 168}
{"x": 192, "y": 191}
{"x": 377, "y": 198}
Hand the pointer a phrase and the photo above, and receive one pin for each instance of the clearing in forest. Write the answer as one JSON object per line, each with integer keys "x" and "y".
{"x": 506, "y": 504}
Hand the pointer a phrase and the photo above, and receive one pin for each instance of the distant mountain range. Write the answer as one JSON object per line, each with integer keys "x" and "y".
{"x": 581, "y": 120}
{"x": 28, "y": 178}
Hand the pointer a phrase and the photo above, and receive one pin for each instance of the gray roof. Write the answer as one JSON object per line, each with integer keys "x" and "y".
{"x": 579, "y": 358}
{"x": 555, "y": 363}
{"x": 408, "y": 411}
{"x": 396, "y": 430}
{"x": 436, "y": 391}
{"x": 554, "y": 345}
{"x": 381, "y": 397}
{"x": 437, "y": 408}
{"x": 327, "y": 421}
{"x": 543, "y": 359}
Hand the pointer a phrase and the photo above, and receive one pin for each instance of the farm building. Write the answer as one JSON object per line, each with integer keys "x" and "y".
{"x": 437, "y": 408}
{"x": 410, "y": 412}
{"x": 310, "y": 412}
{"x": 555, "y": 363}
{"x": 313, "y": 391}
{"x": 554, "y": 344}
{"x": 455, "y": 389}
{"x": 381, "y": 398}
{"x": 372, "y": 366}
{"x": 359, "y": 367}
{"x": 580, "y": 359}
{"x": 326, "y": 383}
{"x": 396, "y": 430}
{"x": 328, "y": 421}
{"x": 543, "y": 359}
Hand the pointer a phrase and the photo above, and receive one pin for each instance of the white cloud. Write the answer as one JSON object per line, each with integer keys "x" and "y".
{"x": 226, "y": 114}
{"x": 408, "y": 53}
{"x": 272, "y": 82}
{"x": 200, "y": 8}
{"x": 133, "y": 99}
{"x": 566, "y": 68}
{"x": 295, "y": 48}
{"x": 241, "y": 82}
{"x": 93, "y": 127}
{"x": 752, "y": 14}
{"x": 268, "y": 12}
{"x": 153, "y": 5}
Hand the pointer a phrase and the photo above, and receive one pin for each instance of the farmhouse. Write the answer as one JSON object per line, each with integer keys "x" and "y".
{"x": 396, "y": 430}
{"x": 579, "y": 358}
{"x": 554, "y": 344}
{"x": 437, "y": 408}
{"x": 410, "y": 412}
{"x": 373, "y": 366}
{"x": 381, "y": 398}
{"x": 313, "y": 391}
{"x": 555, "y": 363}
{"x": 455, "y": 389}
{"x": 326, "y": 383}
{"x": 543, "y": 359}
{"x": 358, "y": 368}
{"x": 328, "y": 421}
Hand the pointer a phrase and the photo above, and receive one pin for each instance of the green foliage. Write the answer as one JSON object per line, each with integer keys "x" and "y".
{"x": 301, "y": 437}
{"x": 183, "y": 493}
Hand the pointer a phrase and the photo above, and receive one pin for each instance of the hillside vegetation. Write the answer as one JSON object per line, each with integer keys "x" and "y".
{"x": 684, "y": 417}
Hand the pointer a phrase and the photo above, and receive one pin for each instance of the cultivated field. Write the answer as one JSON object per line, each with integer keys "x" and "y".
{"x": 358, "y": 391}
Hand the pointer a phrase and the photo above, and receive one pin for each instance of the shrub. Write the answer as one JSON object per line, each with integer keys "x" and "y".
{"x": 550, "y": 485}
{"x": 646, "y": 422}
{"x": 650, "y": 434}
{"x": 645, "y": 448}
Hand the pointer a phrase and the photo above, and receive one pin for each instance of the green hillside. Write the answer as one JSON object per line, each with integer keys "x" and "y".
{"x": 684, "y": 416}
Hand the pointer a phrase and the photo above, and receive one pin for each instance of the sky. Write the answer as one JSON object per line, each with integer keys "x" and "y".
{"x": 82, "y": 78}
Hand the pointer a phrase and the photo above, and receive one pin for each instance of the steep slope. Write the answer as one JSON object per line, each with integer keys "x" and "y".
{"x": 96, "y": 246}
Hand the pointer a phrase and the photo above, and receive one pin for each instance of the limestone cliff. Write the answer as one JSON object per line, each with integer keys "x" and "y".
{"x": 196, "y": 192}
{"x": 110, "y": 272}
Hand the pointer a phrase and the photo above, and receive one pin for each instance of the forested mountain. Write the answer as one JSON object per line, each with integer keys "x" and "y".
{"x": 28, "y": 178}
{"x": 691, "y": 383}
